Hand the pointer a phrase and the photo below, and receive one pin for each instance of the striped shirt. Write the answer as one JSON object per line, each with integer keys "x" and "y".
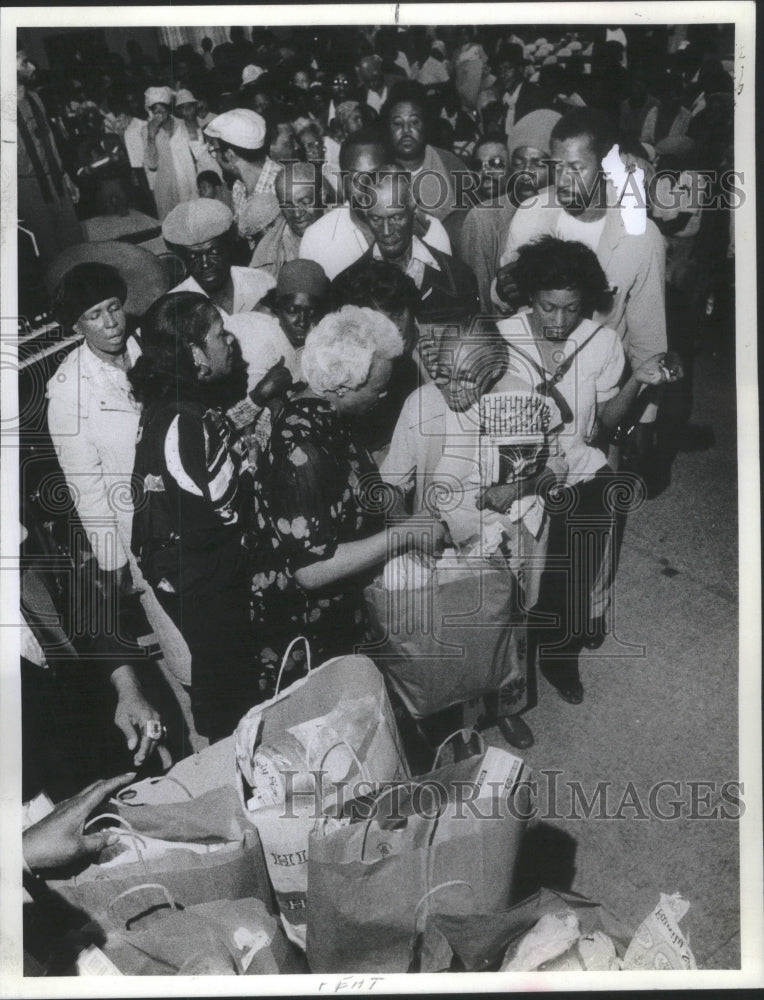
{"x": 217, "y": 480}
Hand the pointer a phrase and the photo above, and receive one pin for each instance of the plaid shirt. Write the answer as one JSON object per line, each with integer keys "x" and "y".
{"x": 256, "y": 211}
{"x": 268, "y": 175}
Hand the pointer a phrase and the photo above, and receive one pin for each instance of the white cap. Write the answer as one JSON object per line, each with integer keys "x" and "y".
{"x": 250, "y": 73}
{"x": 239, "y": 127}
{"x": 184, "y": 97}
{"x": 196, "y": 221}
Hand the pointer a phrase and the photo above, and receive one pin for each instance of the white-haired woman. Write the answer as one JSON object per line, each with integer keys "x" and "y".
{"x": 319, "y": 504}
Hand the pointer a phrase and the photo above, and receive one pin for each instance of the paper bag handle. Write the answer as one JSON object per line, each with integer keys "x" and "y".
{"x": 456, "y": 732}
{"x": 128, "y": 830}
{"x": 334, "y": 746}
{"x": 285, "y": 657}
{"x": 417, "y": 940}
{"x": 137, "y": 888}
{"x": 437, "y": 888}
{"x": 119, "y": 798}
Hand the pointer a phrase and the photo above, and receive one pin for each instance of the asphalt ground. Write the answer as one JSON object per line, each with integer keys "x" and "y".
{"x": 660, "y": 705}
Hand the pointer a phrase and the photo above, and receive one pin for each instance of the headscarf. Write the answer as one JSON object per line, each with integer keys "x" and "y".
{"x": 184, "y": 97}
{"x": 157, "y": 95}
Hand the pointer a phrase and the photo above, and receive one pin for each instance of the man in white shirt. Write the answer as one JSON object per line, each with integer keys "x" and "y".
{"x": 447, "y": 288}
{"x": 581, "y": 206}
{"x": 342, "y": 236}
{"x": 370, "y": 72}
{"x": 199, "y": 233}
{"x": 131, "y": 131}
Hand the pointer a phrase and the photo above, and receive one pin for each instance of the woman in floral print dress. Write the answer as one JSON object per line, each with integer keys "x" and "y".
{"x": 320, "y": 505}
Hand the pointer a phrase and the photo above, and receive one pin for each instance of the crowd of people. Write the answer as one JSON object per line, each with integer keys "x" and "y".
{"x": 378, "y": 228}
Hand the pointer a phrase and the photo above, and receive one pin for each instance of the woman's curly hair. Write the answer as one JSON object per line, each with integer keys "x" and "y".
{"x": 549, "y": 263}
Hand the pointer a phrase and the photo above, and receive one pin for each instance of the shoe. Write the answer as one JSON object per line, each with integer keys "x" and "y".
{"x": 515, "y": 731}
{"x": 567, "y": 685}
{"x": 596, "y": 635}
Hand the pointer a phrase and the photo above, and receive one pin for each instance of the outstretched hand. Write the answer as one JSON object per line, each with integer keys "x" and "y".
{"x": 276, "y": 381}
{"x": 59, "y": 839}
{"x": 431, "y": 536}
{"x": 498, "y": 497}
{"x": 140, "y": 722}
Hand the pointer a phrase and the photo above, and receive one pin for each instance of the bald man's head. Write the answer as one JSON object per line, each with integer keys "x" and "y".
{"x": 301, "y": 195}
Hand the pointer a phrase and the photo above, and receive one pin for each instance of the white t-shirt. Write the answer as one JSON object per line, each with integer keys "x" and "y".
{"x": 591, "y": 380}
{"x": 572, "y": 229}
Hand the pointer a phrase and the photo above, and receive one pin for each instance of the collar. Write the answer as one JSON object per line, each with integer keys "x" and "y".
{"x": 94, "y": 367}
{"x": 510, "y": 97}
{"x": 419, "y": 254}
{"x": 523, "y": 334}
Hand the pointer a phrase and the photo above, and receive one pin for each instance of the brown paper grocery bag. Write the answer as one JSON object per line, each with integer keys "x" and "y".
{"x": 462, "y": 636}
{"x": 372, "y": 883}
{"x": 374, "y": 746}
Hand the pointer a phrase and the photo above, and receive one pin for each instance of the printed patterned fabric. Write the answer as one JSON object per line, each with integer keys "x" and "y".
{"x": 314, "y": 491}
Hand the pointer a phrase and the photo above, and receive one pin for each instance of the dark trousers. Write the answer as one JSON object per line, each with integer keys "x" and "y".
{"x": 581, "y": 525}
{"x": 218, "y": 632}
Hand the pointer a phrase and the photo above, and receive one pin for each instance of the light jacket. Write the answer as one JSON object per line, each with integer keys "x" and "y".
{"x": 93, "y": 422}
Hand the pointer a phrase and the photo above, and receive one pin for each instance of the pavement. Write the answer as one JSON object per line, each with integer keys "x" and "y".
{"x": 661, "y": 704}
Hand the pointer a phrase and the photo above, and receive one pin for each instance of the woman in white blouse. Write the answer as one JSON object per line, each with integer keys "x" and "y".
{"x": 558, "y": 349}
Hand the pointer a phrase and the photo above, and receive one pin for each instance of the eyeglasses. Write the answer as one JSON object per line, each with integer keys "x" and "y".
{"x": 443, "y": 376}
{"x": 492, "y": 163}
